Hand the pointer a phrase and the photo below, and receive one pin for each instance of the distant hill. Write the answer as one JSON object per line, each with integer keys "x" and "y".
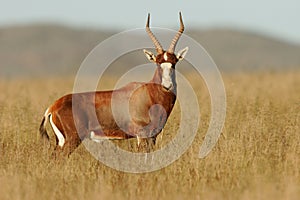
{"x": 59, "y": 50}
{"x": 236, "y": 50}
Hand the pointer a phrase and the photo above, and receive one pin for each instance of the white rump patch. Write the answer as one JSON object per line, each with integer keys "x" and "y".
{"x": 166, "y": 76}
{"x": 46, "y": 113}
{"x": 60, "y": 137}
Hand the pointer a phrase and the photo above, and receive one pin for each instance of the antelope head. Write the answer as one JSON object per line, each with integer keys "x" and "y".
{"x": 166, "y": 60}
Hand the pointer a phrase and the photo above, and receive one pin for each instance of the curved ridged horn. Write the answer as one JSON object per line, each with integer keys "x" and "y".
{"x": 177, "y": 36}
{"x": 157, "y": 45}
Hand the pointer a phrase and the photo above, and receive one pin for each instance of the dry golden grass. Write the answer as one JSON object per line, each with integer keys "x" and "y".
{"x": 256, "y": 157}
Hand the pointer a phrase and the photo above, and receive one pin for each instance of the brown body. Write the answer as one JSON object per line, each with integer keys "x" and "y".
{"x": 137, "y": 110}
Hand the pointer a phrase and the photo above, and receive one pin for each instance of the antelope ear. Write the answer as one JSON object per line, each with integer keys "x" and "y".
{"x": 150, "y": 55}
{"x": 181, "y": 54}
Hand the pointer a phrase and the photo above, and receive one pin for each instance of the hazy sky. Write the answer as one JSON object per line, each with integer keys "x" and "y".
{"x": 278, "y": 18}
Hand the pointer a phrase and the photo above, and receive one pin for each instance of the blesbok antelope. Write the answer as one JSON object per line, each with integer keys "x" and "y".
{"x": 146, "y": 119}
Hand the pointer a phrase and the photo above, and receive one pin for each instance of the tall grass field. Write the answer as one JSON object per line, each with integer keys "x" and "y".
{"x": 257, "y": 155}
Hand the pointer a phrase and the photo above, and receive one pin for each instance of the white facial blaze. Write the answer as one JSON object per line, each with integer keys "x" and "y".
{"x": 166, "y": 75}
{"x": 165, "y": 56}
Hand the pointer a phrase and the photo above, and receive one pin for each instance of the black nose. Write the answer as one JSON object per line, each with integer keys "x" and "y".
{"x": 168, "y": 88}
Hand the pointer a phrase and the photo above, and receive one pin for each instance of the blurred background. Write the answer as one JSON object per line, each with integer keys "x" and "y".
{"x": 52, "y": 38}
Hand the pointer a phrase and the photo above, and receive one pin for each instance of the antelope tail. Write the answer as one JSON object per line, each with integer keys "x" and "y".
{"x": 42, "y": 129}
